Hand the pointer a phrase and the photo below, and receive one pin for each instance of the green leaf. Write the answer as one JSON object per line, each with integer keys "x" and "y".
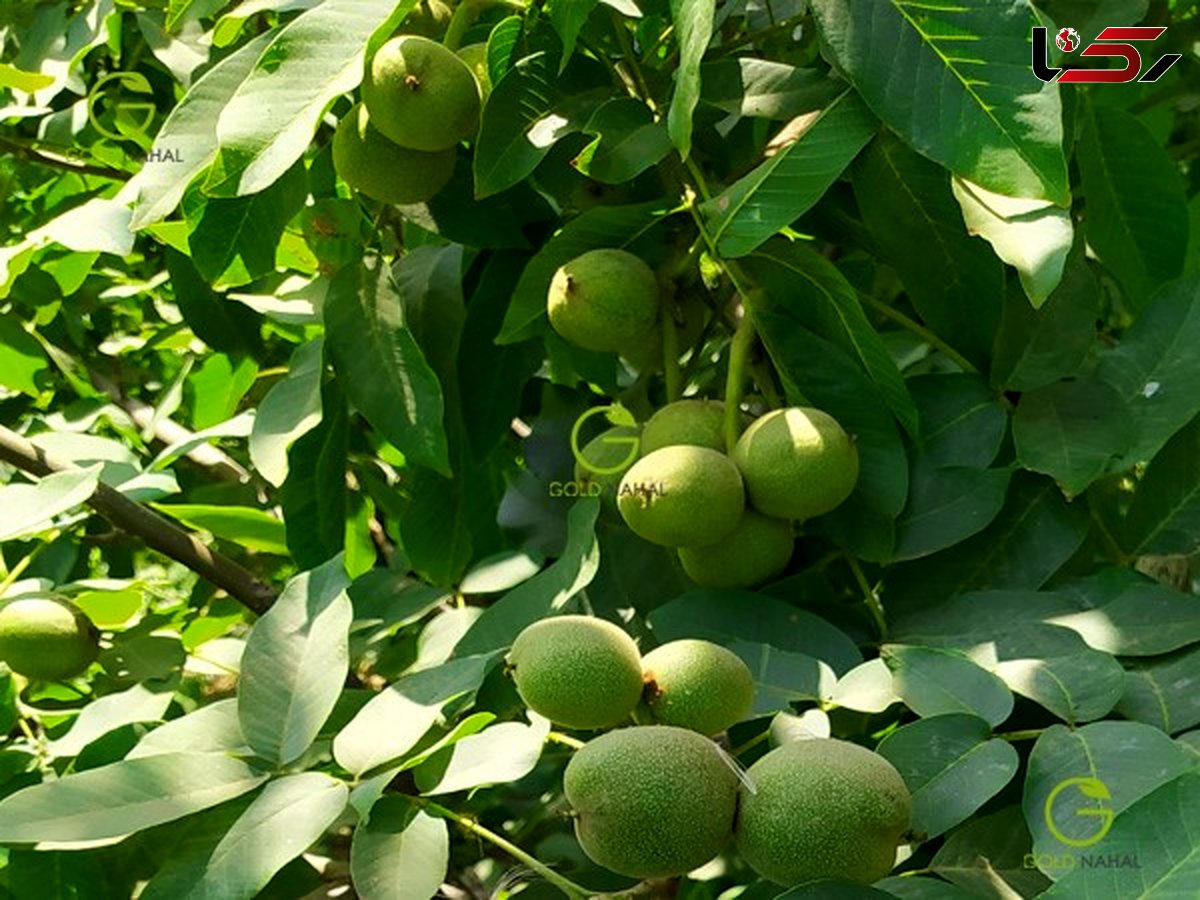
{"x": 222, "y": 325}
{"x": 987, "y": 857}
{"x": 500, "y": 572}
{"x": 934, "y": 682}
{"x": 628, "y": 141}
{"x": 1158, "y": 834}
{"x": 123, "y": 797}
{"x": 27, "y": 82}
{"x": 26, "y": 509}
{"x": 290, "y": 814}
{"x": 23, "y": 359}
{"x": 314, "y": 496}
{"x": 1164, "y": 692}
{"x": 954, "y": 281}
{"x": 1155, "y": 367}
{"x": 245, "y": 230}
{"x": 140, "y": 703}
{"x": 1077, "y": 684}
{"x": 210, "y": 729}
{"x": 190, "y": 133}
{"x": 401, "y": 853}
{"x": 946, "y": 506}
{"x": 1130, "y": 759}
{"x": 392, "y": 723}
{"x": 382, "y": 370}
{"x": 568, "y": 18}
{"x": 254, "y": 529}
{"x": 294, "y": 665}
{"x": 952, "y": 766}
{"x": 1035, "y": 347}
{"x": 962, "y": 422}
{"x": 526, "y": 114}
{"x": 1032, "y": 236}
{"x": 782, "y": 677}
{"x": 1073, "y": 431}
{"x": 546, "y": 593}
{"x": 831, "y": 890}
{"x": 969, "y": 103}
{"x": 1034, "y": 535}
{"x": 763, "y": 88}
{"x": 817, "y": 292}
{"x": 866, "y": 688}
{"x": 813, "y": 151}
{"x": 693, "y": 21}
{"x": 909, "y": 887}
{"x": 1127, "y": 614}
{"x": 268, "y": 122}
{"x": 603, "y": 226}
{"x": 1137, "y": 217}
{"x": 1165, "y": 515}
{"x": 500, "y": 754}
{"x": 720, "y": 616}
{"x": 291, "y": 408}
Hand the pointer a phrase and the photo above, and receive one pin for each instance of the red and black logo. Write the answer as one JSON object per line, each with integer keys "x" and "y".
{"x": 1112, "y": 41}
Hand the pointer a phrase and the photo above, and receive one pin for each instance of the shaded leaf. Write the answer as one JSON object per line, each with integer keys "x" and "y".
{"x": 401, "y": 853}
{"x": 291, "y": 408}
{"x": 934, "y": 682}
{"x": 1164, "y": 692}
{"x": 1165, "y": 514}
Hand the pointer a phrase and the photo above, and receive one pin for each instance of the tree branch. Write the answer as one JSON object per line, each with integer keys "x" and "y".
{"x": 156, "y": 530}
{"x": 54, "y": 161}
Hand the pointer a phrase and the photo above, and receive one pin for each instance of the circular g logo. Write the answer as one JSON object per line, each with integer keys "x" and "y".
{"x": 1089, "y": 787}
{"x": 132, "y": 118}
{"x": 617, "y": 415}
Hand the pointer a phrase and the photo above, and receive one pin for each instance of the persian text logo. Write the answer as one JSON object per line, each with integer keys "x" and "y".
{"x": 617, "y": 415}
{"x": 1112, "y": 41}
{"x": 132, "y": 118}
{"x": 1091, "y": 788}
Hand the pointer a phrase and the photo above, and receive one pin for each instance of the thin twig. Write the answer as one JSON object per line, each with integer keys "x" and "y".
{"x": 156, "y": 530}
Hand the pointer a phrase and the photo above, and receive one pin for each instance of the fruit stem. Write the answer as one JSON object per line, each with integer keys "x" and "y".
{"x": 735, "y": 382}
{"x": 870, "y": 596}
{"x": 568, "y": 887}
{"x": 922, "y": 332}
{"x": 565, "y": 739}
{"x": 1028, "y": 735}
{"x": 671, "y": 357}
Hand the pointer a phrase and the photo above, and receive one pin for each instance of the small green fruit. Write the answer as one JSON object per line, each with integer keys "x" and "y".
{"x": 420, "y": 95}
{"x": 577, "y": 671}
{"x": 48, "y": 639}
{"x": 822, "y": 808}
{"x": 682, "y": 496}
{"x": 387, "y": 172}
{"x": 651, "y": 802}
{"x": 475, "y": 56}
{"x": 797, "y": 463}
{"x": 603, "y": 300}
{"x": 697, "y": 685}
{"x": 614, "y": 449}
{"x": 700, "y": 423}
{"x": 757, "y": 550}
{"x": 429, "y": 18}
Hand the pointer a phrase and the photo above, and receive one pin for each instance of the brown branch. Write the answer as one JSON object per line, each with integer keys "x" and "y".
{"x": 156, "y": 530}
{"x": 54, "y": 161}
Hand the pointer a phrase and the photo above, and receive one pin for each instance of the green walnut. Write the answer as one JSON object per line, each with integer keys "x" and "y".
{"x": 682, "y": 496}
{"x": 387, "y": 172}
{"x": 696, "y": 685}
{"x": 822, "y": 808}
{"x": 48, "y": 639}
{"x": 651, "y": 801}
{"x": 429, "y": 18}
{"x": 797, "y": 463}
{"x": 577, "y": 671}
{"x": 609, "y": 456}
{"x": 700, "y": 423}
{"x": 475, "y": 56}
{"x": 603, "y": 300}
{"x": 420, "y": 95}
{"x": 756, "y": 551}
